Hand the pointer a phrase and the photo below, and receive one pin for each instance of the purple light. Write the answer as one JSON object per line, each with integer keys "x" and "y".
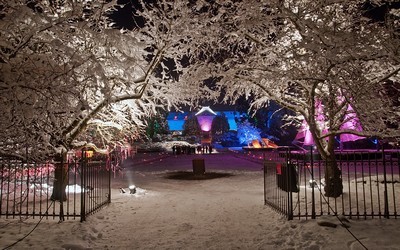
{"x": 205, "y": 122}
{"x": 352, "y": 123}
{"x": 305, "y": 133}
{"x": 308, "y": 139}
{"x": 205, "y": 117}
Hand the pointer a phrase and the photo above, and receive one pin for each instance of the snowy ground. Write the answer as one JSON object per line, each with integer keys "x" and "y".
{"x": 173, "y": 210}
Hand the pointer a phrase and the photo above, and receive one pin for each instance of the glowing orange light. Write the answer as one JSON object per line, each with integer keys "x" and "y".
{"x": 89, "y": 153}
{"x": 256, "y": 144}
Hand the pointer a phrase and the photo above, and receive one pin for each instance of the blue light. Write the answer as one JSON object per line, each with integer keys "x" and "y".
{"x": 247, "y": 133}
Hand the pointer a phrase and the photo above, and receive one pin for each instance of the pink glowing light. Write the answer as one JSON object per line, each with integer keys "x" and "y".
{"x": 305, "y": 135}
{"x": 205, "y": 122}
{"x": 205, "y": 117}
{"x": 205, "y": 127}
{"x": 352, "y": 123}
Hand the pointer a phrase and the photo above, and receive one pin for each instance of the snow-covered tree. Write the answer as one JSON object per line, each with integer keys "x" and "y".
{"x": 246, "y": 132}
{"x": 156, "y": 125}
{"x": 65, "y": 70}
{"x": 191, "y": 126}
{"x": 317, "y": 58}
{"x": 219, "y": 124}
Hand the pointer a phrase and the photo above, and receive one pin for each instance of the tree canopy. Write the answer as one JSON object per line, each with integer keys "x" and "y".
{"x": 65, "y": 71}
{"x": 328, "y": 61}
{"x": 314, "y": 57}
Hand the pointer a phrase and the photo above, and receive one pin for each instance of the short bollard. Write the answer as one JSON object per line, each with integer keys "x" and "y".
{"x": 198, "y": 167}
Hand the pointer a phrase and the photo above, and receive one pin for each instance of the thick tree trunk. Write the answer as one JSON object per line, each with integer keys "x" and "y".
{"x": 60, "y": 178}
{"x": 333, "y": 180}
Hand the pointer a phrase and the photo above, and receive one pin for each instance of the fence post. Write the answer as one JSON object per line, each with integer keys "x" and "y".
{"x": 63, "y": 179}
{"x": 289, "y": 188}
{"x": 265, "y": 181}
{"x": 83, "y": 185}
{"x": 312, "y": 185}
{"x": 109, "y": 181}
{"x": 385, "y": 193}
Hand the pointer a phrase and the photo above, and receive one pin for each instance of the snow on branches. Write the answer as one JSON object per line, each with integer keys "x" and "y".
{"x": 298, "y": 53}
{"x": 67, "y": 75}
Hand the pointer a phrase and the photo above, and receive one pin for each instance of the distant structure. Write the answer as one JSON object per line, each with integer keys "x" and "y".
{"x": 305, "y": 138}
{"x": 205, "y": 118}
{"x": 352, "y": 122}
{"x": 177, "y": 119}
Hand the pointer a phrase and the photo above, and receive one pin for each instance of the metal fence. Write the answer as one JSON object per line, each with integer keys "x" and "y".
{"x": 26, "y": 188}
{"x": 294, "y": 184}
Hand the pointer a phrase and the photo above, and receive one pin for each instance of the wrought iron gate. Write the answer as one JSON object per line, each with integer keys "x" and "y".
{"x": 26, "y": 188}
{"x": 294, "y": 184}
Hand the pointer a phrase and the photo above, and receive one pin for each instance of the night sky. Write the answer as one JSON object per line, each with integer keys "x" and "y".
{"x": 125, "y": 16}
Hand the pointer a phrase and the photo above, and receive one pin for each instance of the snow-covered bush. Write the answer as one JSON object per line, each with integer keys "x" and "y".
{"x": 246, "y": 132}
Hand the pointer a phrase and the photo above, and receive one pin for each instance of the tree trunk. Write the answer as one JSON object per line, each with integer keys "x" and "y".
{"x": 333, "y": 180}
{"x": 60, "y": 178}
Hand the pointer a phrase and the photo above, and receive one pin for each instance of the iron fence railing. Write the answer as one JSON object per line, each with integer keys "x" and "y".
{"x": 294, "y": 184}
{"x": 26, "y": 189}
{"x": 96, "y": 178}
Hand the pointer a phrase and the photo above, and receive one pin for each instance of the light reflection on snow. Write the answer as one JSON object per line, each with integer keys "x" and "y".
{"x": 74, "y": 189}
{"x": 139, "y": 192}
{"x": 68, "y": 189}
